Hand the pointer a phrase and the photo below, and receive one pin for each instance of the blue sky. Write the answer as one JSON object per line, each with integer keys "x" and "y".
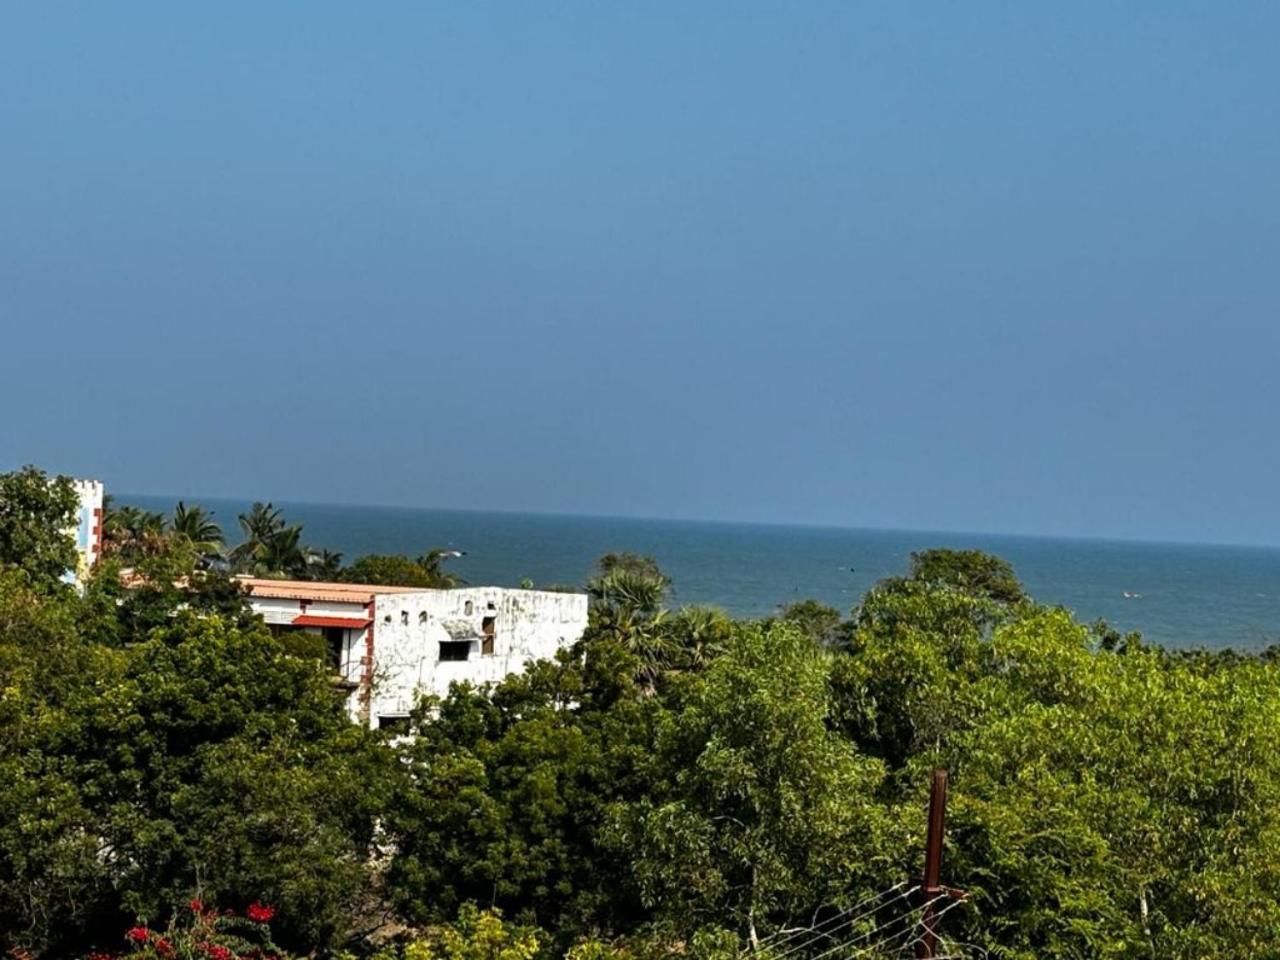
{"x": 1007, "y": 267}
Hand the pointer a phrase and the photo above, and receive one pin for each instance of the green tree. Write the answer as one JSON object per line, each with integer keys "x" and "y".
{"x": 508, "y": 790}
{"x": 199, "y": 528}
{"x": 770, "y": 813}
{"x": 270, "y": 547}
{"x": 52, "y": 875}
{"x": 284, "y": 555}
{"x": 696, "y": 636}
{"x": 629, "y": 581}
{"x": 823, "y": 624}
{"x": 399, "y": 570}
{"x": 433, "y": 563}
{"x": 37, "y": 521}
{"x": 325, "y": 565}
{"x": 262, "y": 524}
{"x": 1119, "y": 804}
{"x": 130, "y": 533}
{"x": 969, "y": 571}
{"x": 627, "y": 595}
{"x": 475, "y": 935}
{"x": 201, "y": 757}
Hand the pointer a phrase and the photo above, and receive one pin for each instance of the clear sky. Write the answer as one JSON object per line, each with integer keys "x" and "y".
{"x": 1010, "y": 267}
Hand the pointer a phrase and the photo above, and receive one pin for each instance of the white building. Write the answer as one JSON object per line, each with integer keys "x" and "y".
{"x": 389, "y": 645}
{"x": 88, "y": 528}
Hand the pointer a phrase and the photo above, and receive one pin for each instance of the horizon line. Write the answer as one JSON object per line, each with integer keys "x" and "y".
{"x": 867, "y": 528}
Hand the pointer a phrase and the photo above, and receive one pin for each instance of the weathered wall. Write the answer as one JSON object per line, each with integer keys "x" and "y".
{"x": 409, "y": 628}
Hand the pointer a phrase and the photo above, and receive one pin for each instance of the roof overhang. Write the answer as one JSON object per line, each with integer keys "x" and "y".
{"x": 349, "y": 623}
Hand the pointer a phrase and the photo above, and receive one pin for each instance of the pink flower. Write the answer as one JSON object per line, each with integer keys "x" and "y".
{"x": 260, "y": 912}
{"x": 217, "y": 952}
{"x": 164, "y": 947}
{"x": 138, "y": 934}
{"x": 196, "y": 905}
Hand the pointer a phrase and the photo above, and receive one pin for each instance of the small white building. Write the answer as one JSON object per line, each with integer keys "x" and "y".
{"x": 389, "y": 645}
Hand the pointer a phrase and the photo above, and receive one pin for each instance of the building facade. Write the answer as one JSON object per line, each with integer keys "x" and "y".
{"x": 390, "y": 645}
{"x": 88, "y": 528}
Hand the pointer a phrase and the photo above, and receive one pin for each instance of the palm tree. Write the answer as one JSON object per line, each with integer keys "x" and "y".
{"x": 628, "y": 582}
{"x": 700, "y": 634}
{"x": 324, "y": 564}
{"x": 262, "y": 524}
{"x": 646, "y": 635}
{"x": 131, "y": 533}
{"x": 283, "y": 555}
{"x": 432, "y": 562}
{"x": 199, "y": 528}
{"x": 627, "y": 595}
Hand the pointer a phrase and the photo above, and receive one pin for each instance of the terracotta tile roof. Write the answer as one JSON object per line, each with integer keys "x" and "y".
{"x": 314, "y": 590}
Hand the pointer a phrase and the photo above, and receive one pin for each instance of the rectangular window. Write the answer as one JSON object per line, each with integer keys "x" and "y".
{"x": 396, "y": 726}
{"x": 335, "y": 638}
{"x": 455, "y": 649}
{"x": 489, "y": 629}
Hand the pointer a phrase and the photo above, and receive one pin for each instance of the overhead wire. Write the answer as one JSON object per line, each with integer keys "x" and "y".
{"x": 826, "y": 935}
{"x": 813, "y": 928}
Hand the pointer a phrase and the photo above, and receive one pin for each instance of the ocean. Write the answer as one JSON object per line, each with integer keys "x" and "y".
{"x": 1180, "y": 595}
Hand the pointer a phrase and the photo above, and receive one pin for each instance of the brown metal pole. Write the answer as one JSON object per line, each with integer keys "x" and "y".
{"x": 932, "y": 886}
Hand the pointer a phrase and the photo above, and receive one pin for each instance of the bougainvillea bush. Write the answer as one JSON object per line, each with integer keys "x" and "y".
{"x": 203, "y": 933}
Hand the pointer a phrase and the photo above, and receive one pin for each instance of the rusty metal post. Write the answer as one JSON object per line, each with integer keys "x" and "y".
{"x": 931, "y": 889}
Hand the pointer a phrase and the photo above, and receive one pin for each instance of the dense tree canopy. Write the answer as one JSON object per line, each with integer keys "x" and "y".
{"x": 677, "y": 781}
{"x": 136, "y": 769}
{"x": 37, "y": 520}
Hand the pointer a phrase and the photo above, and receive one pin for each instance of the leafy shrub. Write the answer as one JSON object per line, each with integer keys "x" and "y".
{"x": 204, "y": 933}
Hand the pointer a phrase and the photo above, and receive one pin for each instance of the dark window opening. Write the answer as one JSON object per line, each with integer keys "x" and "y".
{"x": 334, "y": 640}
{"x": 489, "y": 629}
{"x": 455, "y": 649}
{"x": 396, "y": 726}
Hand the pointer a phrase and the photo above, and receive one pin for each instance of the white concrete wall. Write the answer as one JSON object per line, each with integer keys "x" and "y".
{"x": 409, "y": 627}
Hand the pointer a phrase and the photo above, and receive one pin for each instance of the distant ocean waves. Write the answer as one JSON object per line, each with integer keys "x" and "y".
{"x": 1176, "y": 594}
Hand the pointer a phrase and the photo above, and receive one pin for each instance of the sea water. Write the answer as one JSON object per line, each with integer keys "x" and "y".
{"x": 1177, "y": 594}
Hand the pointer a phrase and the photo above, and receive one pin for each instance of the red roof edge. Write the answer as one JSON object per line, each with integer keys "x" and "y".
{"x": 351, "y": 623}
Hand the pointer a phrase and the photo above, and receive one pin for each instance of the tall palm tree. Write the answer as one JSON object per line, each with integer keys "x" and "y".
{"x": 198, "y": 526}
{"x": 627, "y": 595}
{"x": 283, "y": 555}
{"x": 262, "y": 524}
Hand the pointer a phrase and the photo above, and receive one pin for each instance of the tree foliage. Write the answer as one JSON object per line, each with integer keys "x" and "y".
{"x": 197, "y": 756}
{"x": 426, "y": 571}
{"x": 37, "y": 520}
{"x": 675, "y": 782}
{"x": 971, "y": 572}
